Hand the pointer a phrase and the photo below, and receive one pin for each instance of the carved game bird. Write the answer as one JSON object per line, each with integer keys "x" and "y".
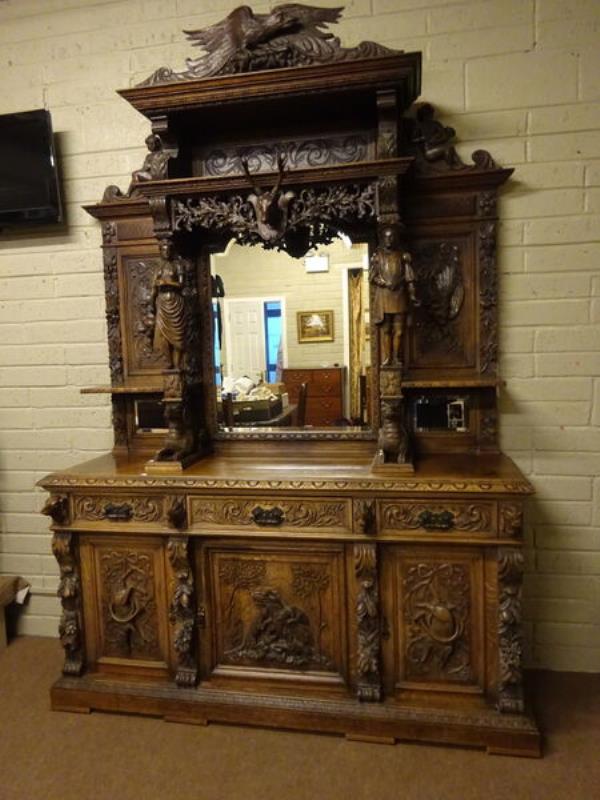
{"x": 242, "y": 31}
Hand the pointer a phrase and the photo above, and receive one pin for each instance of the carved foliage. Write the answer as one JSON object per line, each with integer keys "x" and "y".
{"x": 313, "y": 215}
{"x": 488, "y": 299}
{"x": 510, "y": 576}
{"x": 119, "y": 420}
{"x": 411, "y": 516}
{"x": 296, "y": 513}
{"x": 182, "y": 610}
{"x": 69, "y": 591}
{"x": 176, "y": 513}
{"x": 129, "y": 610}
{"x": 437, "y": 612}
{"x": 113, "y": 320}
{"x": 368, "y": 623}
{"x": 297, "y": 155}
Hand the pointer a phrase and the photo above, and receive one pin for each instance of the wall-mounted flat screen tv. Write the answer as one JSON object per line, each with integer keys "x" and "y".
{"x": 29, "y": 190}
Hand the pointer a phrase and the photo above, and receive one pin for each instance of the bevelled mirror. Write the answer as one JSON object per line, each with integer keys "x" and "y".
{"x": 291, "y": 339}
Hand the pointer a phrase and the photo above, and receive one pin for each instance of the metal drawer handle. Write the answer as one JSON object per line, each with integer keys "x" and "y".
{"x": 267, "y": 516}
{"x": 118, "y": 512}
{"x": 436, "y": 520}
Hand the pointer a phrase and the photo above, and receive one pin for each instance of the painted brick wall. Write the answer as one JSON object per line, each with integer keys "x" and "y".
{"x": 518, "y": 77}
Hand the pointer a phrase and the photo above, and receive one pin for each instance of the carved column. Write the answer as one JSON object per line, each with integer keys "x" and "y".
{"x": 510, "y": 577}
{"x": 111, "y": 291}
{"x": 368, "y": 623}
{"x": 69, "y": 591}
{"x": 182, "y": 610}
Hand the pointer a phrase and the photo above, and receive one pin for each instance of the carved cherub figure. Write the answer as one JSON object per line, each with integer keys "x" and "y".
{"x": 392, "y": 276}
{"x": 434, "y": 138}
{"x": 169, "y": 309}
{"x": 270, "y": 207}
{"x": 155, "y": 163}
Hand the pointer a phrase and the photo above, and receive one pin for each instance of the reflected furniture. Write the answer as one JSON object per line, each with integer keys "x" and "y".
{"x": 363, "y": 581}
{"x": 325, "y": 393}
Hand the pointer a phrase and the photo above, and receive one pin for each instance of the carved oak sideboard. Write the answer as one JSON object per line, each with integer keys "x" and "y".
{"x": 362, "y": 580}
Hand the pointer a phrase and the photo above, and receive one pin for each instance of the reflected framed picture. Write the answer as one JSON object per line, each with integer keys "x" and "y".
{"x": 315, "y": 326}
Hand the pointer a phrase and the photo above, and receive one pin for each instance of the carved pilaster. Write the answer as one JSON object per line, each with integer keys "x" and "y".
{"x": 119, "y": 420}
{"x": 177, "y": 513}
{"x": 69, "y": 591}
{"x": 182, "y": 610}
{"x": 113, "y": 314}
{"x": 510, "y": 576}
{"x": 364, "y": 516}
{"x": 57, "y": 508}
{"x": 368, "y": 623}
{"x": 488, "y": 299}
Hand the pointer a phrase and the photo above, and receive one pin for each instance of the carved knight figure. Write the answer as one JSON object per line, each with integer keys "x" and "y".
{"x": 169, "y": 308}
{"x": 392, "y": 276}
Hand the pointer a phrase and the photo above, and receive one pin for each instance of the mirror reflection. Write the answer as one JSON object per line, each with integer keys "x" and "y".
{"x": 291, "y": 337}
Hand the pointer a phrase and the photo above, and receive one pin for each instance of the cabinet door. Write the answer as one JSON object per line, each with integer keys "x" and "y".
{"x": 274, "y": 613}
{"x": 125, "y": 606}
{"x": 434, "y": 609}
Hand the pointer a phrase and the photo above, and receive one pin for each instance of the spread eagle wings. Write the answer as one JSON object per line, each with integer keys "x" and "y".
{"x": 290, "y": 24}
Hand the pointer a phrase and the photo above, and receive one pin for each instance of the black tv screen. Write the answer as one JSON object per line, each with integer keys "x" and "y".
{"x": 29, "y": 189}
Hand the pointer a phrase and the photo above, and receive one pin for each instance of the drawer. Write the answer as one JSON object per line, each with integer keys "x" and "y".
{"x": 119, "y": 510}
{"x": 268, "y": 514}
{"x": 438, "y": 516}
{"x": 293, "y": 380}
{"x": 323, "y": 410}
{"x": 327, "y": 381}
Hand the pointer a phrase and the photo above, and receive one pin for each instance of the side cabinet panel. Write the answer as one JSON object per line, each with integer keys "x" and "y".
{"x": 434, "y": 614}
{"x": 125, "y": 603}
{"x": 274, "y": 613}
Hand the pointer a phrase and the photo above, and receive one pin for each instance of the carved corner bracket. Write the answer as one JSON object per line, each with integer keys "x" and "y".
{"x": 69, "y": 591}
{"x": 368, "y": 666}
{"x": 182, "y": 610}
{"x": 510, "y": 683}
{"x": 57, "y": 508}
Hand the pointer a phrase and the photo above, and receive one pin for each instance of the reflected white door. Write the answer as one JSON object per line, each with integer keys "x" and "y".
{"x": 245, "y": 338}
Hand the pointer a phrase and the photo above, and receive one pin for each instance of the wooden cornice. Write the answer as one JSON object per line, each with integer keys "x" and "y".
{"x": 402, "y": 71}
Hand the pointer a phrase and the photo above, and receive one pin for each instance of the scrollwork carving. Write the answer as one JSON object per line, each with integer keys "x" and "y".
{"x": 140, "y": 509}
{"x": 510, "y": 575}
{"x": 69, "y": 591}
{"x": 368, "y": 623}
{"x": 437, "y": 614}
{"x": 176, "y": 513}
{"x": 182, "y": 610}
{"x": 296, "y": 514}
{"x": 297, "y": 155}
{"x": 472, "y": 517}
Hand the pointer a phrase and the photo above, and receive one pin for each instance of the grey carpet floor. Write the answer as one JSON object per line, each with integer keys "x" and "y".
{"x": 47, "y": 755}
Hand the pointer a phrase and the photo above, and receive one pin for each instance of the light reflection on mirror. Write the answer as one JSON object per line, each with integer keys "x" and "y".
{"x": 282, "y": 324}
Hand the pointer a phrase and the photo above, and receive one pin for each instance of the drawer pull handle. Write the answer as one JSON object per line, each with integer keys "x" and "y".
{"x": 267, "y": 516}
{"x": 118, "y": 512}
{"x": 436, "y": 520}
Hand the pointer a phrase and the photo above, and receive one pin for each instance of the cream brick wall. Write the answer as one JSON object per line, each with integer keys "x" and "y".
{"x": 518, "y": 77}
